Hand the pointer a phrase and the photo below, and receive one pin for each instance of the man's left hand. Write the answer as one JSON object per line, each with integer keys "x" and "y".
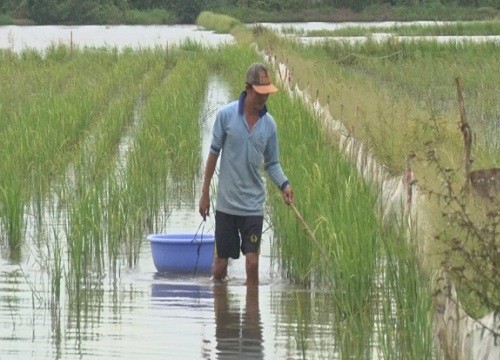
{"x": 287, "y": 195}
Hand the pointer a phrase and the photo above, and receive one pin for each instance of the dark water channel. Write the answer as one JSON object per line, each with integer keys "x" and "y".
{"x": 146, "y": 315}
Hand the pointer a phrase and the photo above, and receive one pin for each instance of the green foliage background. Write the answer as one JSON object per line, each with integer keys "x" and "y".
{"x": 186, "y": 11}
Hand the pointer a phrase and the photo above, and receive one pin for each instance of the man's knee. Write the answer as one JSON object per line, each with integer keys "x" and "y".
{"x": 252, "y": 262}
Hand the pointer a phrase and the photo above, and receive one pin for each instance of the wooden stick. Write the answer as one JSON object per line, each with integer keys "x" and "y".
{"x": 466, "y": 134}
{"x": 308, "y": 230}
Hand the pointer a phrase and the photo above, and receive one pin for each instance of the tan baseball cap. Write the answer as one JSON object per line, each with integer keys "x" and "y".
{"x": 260, "y": 79}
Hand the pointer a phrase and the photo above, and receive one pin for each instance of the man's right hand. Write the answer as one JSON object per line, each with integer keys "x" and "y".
{"x": 204, "y": 205}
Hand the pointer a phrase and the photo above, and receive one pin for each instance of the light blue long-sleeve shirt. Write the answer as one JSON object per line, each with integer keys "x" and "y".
{"x": 240, "y": 188}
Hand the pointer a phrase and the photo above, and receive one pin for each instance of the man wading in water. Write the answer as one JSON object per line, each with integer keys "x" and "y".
{"x": 245, "y": 135}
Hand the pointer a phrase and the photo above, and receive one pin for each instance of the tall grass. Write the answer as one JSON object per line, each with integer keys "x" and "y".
{"x": 332, "y": 198}
{"x": 399, "y": 98}
{"x": 405, "y": 85}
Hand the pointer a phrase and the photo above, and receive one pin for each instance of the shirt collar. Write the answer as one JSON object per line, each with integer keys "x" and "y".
{"x": 241, "y": 103}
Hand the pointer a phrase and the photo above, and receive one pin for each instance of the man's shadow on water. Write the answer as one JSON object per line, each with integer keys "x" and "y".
{"x": 238, "y": 330}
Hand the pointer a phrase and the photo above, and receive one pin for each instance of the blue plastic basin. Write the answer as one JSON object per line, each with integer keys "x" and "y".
{"x": 182, "y": 252}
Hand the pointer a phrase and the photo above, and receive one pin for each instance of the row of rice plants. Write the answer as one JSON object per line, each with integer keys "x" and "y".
{"x": 112, "y": 212}
{"x": 88, "y": 235}
{"x": 24, "y": 79}
{"x": 342, "y": 210}
{"x": 24, "y": 83}
{"x": 330, "y": 192}
{"x": 111, "y": 84}
{"x": 164, "y": 151}
{"x": 40, "y": 136}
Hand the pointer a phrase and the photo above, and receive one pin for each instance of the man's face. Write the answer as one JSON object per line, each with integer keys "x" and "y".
{"x": 259, "y": 100}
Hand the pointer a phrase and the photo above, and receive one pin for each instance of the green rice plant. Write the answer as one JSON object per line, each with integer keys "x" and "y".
{"x": 405, "y": 326}
{"x": 354, "y": 334}
{"x": 115, "y": 223}
{"x": 85, "y": 239}
{"x": 97, "y": 162}
{"x": 55, "y": 267}
{"x": 72, "y": 133}
{"x": 12, "y": 205}
{"x": 337, "y": 204}
{"x": 166, "y": 149}
{"x": 31, "y": 139}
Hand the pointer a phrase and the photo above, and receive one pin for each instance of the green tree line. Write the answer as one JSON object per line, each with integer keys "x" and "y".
{"x": 186, "y": 11}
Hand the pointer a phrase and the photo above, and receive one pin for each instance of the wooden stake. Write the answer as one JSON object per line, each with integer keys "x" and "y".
{"x": 466, "y": 134}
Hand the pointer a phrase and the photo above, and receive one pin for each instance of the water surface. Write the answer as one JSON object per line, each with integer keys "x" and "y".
{"x": 18, "y": 38}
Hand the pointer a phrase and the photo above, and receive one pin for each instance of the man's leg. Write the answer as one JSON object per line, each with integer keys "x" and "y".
{"x": 227, "y": 242}
{"x": 251, "y": 234}
{"x": 252, "y": 268}
{"x": 219, "y": 268}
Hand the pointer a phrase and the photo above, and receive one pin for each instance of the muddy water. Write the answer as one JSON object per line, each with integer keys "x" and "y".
{"x": 142, "y": 314}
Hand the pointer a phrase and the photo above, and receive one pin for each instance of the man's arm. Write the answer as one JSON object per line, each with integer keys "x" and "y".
{"x": 204, "y": 204}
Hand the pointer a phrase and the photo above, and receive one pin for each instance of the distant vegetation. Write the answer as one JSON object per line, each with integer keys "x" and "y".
{"x": 181, "y": 11}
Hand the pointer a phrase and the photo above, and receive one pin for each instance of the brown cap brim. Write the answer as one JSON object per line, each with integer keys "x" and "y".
{"x": 265, "y": 89}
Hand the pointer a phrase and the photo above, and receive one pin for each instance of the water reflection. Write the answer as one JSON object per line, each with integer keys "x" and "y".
{"x": 238, "y": 331}
{"x": 182, "y": 295}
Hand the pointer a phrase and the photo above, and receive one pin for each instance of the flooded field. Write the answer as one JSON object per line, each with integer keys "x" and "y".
{"x": 121, "y": 307}
{"x": 140, "y": 313}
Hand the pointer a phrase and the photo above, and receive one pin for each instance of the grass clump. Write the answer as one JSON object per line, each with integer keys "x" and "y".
{"x": 219, "y": 23}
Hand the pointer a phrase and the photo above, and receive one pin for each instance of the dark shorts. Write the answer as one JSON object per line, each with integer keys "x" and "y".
{"x": 233, "y": 232}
